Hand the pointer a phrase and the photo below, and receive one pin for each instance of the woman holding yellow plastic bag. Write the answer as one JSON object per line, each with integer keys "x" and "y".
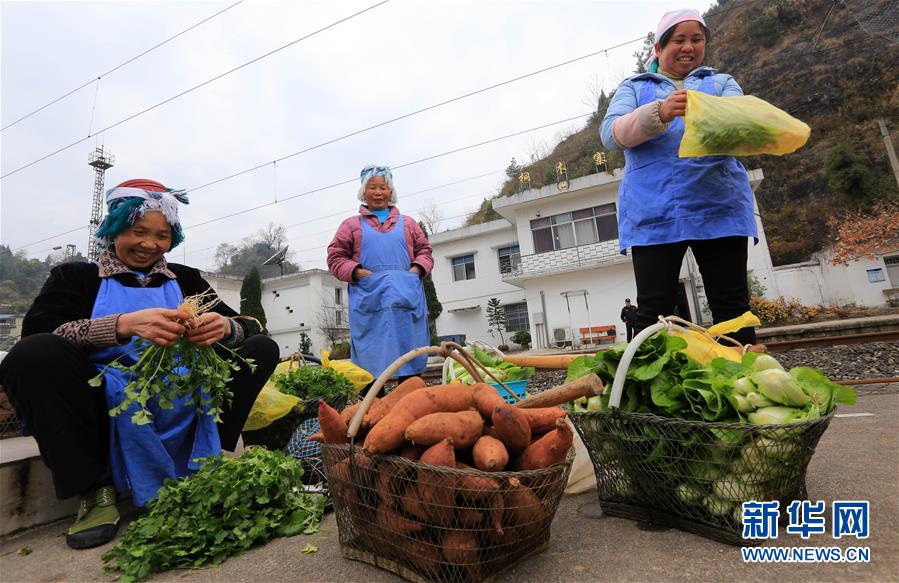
{"x": 667, "y": 203}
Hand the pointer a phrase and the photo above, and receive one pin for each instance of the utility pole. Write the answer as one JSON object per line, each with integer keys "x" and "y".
{"x": 101, "y": 162}
{"x": 891, "y": 153}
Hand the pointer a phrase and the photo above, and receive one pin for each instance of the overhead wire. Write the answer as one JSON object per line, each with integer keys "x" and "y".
{"x": 194, "y": 88}
{"x": 119, "y": 66}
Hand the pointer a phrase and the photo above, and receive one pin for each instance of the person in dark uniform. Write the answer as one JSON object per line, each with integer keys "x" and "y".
{"x": 629, "y": 317}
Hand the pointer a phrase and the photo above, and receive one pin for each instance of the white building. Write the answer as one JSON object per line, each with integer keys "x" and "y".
{"x": 867, "y": 282}
{"x": 553, "y": 261}
{"x": 313, "y": 302}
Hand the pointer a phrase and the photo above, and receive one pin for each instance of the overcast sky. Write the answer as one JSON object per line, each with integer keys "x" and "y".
{"x": 392, "y": 60}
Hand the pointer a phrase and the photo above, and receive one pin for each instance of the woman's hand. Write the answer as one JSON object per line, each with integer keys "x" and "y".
{"x": 674, "y": 105}
{"x": 417, "y": 270}
{"x": 360, "y": 272}
{"x": 158, "y": 325}
{"x": 208, "y": 329}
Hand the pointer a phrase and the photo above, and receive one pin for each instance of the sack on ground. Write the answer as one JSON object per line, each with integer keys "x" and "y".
{"x": 354, "y": 373}
{"x": 738, "y": 126}
{"x": 271, "y": 404}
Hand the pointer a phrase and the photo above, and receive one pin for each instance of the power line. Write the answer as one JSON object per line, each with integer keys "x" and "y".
{"x": 119, "y": 66}
{"x": 345, "y": 212}
{"x": 194, "y": 88}
{"x": 413, "y": 113}
{"x": 354, "y": 179}
{"x": 412, "y": 163}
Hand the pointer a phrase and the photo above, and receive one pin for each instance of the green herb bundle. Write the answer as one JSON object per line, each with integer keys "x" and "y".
{"x": 165, "y": 373}
{"x": 307, "y": 382}
{"x": 735, "y": 135}
{"x": 225, "y": 508}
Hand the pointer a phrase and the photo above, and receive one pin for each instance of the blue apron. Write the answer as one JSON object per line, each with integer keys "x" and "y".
{"x": 143, "y": 456}
{"x": 665, "y": 199}
{"x": 388, "y": 311}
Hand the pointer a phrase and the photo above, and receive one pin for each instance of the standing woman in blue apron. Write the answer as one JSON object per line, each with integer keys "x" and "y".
{"x": 87, "y": 315}
{"x": 667, "y": 203}
{"x": 383, "y": 255}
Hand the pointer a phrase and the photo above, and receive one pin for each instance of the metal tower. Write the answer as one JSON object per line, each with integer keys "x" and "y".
{"x": 101, "y": 162}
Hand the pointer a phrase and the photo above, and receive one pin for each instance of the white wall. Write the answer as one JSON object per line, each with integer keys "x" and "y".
{"x": 821, "y": 282}
{"x": 292, "y": 304}
{"x": 483, "y": 241}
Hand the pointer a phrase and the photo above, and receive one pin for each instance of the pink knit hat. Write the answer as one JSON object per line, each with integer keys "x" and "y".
{"x": 669, "y": 21}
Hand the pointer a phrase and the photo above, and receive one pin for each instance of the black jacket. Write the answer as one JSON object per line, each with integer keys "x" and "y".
{"x": 629, "y": 314}
{"x": 71, "y": 290}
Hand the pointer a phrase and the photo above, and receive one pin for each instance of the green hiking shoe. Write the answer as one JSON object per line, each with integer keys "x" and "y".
{"x": 97, "y": 521}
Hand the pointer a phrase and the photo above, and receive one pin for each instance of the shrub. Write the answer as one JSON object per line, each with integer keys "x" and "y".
{"x": 522, "y": 337}
{"x": 340, "y": 351}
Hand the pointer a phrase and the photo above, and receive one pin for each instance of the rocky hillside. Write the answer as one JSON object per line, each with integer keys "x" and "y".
{"x": 831, "y": 64}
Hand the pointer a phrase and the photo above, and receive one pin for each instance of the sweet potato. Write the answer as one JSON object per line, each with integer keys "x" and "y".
{"x": 332, "y": 426}
{"x": 437, "y": 490}
{"x": 496, "y": 510}
{"x": 543, "y": 419}
{"x": 548, "y": 450}
{"x": 523, "y": 509}
{"x": 348, "y": 412}
{"x": 384, "y": 405}
{"x": 393, "y": 522}
{"x": 469, "y": 517}
{"x": 317, "y": 437}
{"x": 463, "y": 427}
{"x": 411, "y": 504}
{"x": 460, "y": 547}
{"x": 471, "y": 487}
{"x": 425, "y": 556}
{"x": 486, "y": 398}
{"x": 411, "y": 451}
{"x": 490, "y": 455}
{"x": 512, "y": 428}
{"x": 388, "y": 434}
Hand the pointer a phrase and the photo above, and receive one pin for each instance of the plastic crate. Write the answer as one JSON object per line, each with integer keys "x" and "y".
{"x": 517, "y": 387}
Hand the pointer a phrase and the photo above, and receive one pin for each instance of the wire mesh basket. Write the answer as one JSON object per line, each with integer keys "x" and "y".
{"x": 430, "y": 523}
{"x": 692, "y": 475}
{"x": 695, "y": 475}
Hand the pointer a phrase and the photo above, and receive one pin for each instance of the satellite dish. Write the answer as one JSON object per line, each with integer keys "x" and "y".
{"x": 277, "y": 259}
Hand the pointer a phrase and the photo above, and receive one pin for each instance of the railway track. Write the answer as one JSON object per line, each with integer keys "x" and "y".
{"x": 864, "y": 338}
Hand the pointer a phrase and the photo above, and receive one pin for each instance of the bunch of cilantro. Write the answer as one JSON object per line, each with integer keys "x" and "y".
{"x": 225, "y": 508}
{"x": 312, "y": 382}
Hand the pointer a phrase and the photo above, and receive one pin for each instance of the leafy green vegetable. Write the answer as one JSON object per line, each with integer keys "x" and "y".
{"x": 312, "y": 382}
{"x": 225, "y": 508}
{"x": 738, "y": 135}
{"x": 779, "y": 386}
{"x": 165, "y": 373}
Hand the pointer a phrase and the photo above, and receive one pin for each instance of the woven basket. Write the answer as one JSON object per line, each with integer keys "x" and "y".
{"x": 692, "y": 475}
{"x": 429, "y": 523}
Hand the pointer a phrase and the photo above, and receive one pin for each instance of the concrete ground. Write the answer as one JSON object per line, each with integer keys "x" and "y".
{"x": 857, "y": 459}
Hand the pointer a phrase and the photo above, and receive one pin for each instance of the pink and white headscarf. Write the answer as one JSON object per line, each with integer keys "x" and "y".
{"x": 669, "y": 21}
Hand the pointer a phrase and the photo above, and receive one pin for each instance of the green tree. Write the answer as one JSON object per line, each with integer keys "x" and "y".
{"x": 849, "y": 174}
{"x": 305, "y": 343}
{"x": 22, "y": 279}
{"x": 253, "y": 251}
{"x": 251, "y": 297}
{"x": 435, "y": 308}
{"x": 513, "y": 169}
{"x": 643, "y": 54}
{"x": 496, "y": 318}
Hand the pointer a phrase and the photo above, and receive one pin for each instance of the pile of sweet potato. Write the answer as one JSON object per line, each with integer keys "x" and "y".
{"x": 447, "y": 511}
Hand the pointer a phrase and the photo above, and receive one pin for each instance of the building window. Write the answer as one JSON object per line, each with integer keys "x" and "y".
{"x": 509, "y": 258}
{"x": 892, "y": 264}
{"x": 338, "y": 296}
{"x": 581, "y": 227}
{"x": 338, "y": 317}
{"x": 876, "y": 275}
{"x": 517, "y": 317}
{"x": 463, "y": 267}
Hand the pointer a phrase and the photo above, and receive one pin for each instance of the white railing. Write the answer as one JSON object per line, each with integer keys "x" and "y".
{"x": 563, "y": 260}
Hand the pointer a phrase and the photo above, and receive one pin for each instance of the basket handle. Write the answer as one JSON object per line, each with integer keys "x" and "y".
{"x": 446, "y": 349}
{"x": 586, "y": 386}
{"x": 664, "y": 323}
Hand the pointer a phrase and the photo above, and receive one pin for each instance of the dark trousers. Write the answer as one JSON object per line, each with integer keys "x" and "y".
{"x": 722, "y": 263}
{"x": 46, "y": 378}
{"x": 631, "y": 330}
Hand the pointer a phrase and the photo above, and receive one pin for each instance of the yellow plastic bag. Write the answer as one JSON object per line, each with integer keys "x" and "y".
{"x": 270, "y": 405}
{"x": 703, "y": 348}
{"x": 354, "y": 373}
{"x": 738, "y": 126}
